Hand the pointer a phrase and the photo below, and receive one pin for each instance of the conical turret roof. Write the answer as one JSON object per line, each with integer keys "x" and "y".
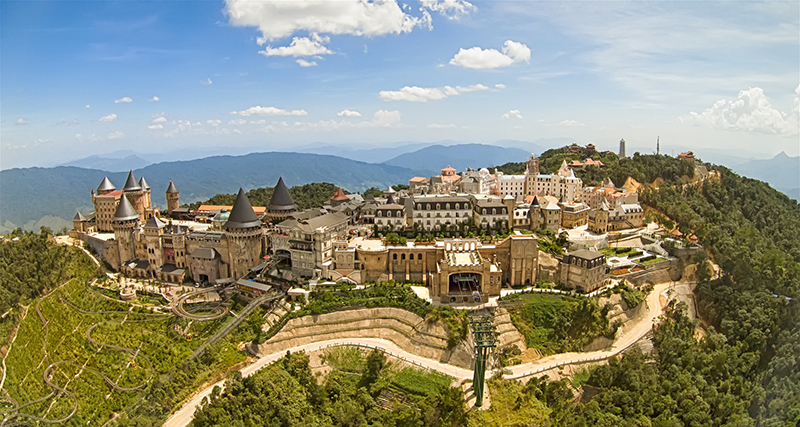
{"x": 339, "y": 195}
{"x": 154, "y": 222}
{"x": 143, "y": 184}
{"x": 390, "y": 190}
{"x": 369, "y": 198}
{"x": 281, "y": 199}
{"x": 171, "y": 189}
{"x": 390, "y": 200}
{"x": 125, "y": 210}
{"x": 535, "y": 202}
{"x": 79, "y": 217}
{"x": 242, "y": 214}
{"x": 131, "y": 184}
{"x": 105, "y": 186}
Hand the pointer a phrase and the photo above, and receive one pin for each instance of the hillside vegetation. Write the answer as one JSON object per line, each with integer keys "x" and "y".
{"x": 305, "y": 196}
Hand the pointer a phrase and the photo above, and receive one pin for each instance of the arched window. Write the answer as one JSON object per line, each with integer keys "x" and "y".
{"x": 484, "y": 211}
{"x": 438, "y": 207}
{"x": 394, "y": 257}
{"x": 447, "y": 206}
{"x": 380, "y": 213}
{"x": 494, "y": 211}
{"x": 403, "y": 257}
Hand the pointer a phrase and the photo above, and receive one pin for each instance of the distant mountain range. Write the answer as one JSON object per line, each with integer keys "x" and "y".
{"x": 110, "y": 164}
{"x": 432, "y": 159}
{"x": 33, "y": 197}
{"x": 782, "y": 172}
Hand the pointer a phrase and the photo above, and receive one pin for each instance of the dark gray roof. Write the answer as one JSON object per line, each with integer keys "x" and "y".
{"x": 171, "y": 189}
{"x": 369, "y": 197}
{"x": 125, "y": 210}
{"x": 584, "y": 254}
{"x": 390, "y": 200}
{"x": 535, "y": 202}
{"x": 281, "y": 199}
{"x": 204, "y": 253}
{"x": 311, "y": 224}
{"x": 79, "y": 217}
{"x": 242, "y": 214}
{"x": 143, "y": 184}
{"x": 106, "y": 185}
{"x": 154, "y": 222}
{"x": 131, "y": 184}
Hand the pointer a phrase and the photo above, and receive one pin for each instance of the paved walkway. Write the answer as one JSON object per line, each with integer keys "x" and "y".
{"x": 654, "y": 309}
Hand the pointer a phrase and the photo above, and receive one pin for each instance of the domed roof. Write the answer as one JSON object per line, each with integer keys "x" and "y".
{"x": 143, "y": 184}
{"x": 125, "y": 210}
{"x": 131, "y": 184}
{"x": 242, "y": 214}
{"x": 171, "y": 189}
{"x": 105, "y": 186}
{"x": 281, "y": 199}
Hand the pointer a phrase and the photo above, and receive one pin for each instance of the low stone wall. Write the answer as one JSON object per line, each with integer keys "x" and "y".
{"x": 657, "y": 273}
{"x": 402, "y": 327}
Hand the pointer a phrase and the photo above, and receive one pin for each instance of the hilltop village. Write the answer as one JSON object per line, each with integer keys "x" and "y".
{"x": 473, "y": 233}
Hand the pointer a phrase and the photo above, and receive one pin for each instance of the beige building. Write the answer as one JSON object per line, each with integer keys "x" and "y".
{"x": 583, "y": 270}
{"x": 434, "y": 212}
{"x": 306, "y": 245}
{"x": 574, "y": 215}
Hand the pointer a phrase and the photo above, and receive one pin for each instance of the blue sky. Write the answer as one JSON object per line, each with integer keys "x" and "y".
{"x": 82, "y": 78}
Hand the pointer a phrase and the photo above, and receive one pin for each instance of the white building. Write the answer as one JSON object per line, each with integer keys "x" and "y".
{"x": 433, "y": 212}
{"x": 511, "y": 185}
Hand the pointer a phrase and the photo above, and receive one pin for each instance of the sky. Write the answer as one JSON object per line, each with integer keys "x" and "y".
{"x": 91, "y": 78}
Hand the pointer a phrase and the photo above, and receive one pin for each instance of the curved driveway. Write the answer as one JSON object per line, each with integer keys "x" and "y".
{"x": 639, "y": 329}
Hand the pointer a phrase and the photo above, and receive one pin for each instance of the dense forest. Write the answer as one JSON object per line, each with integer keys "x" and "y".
{"x": 306, "y": 196}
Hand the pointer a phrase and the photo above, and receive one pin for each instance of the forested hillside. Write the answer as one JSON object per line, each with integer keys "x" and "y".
{"x": 305, "y": 196}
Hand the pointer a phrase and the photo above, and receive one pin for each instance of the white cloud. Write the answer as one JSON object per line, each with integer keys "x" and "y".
{"x": 513, "y": 114}
{"x": 109, "y": 118}
{"x": 281, "y": 19}
{"x": 439, "y": 126}
{"x": 237, "y": 131}
{"x": 303, "y": 63}
{"x": 207, "y": 82}
{"x": 453, "y": 9}
{"x": 88, "y": 106}
{"x": 123, "y": 100}
{"x": 386, "y": 118}
{"x": 300, "y": 46}
{"x": 751, "y": 111}
{"x": 269, "y": 111}
{"x": 348, "y": 113}
{"x": 425, "y": 94}
{"x": 214, "y": 123}
{"x": 154, "y": 127}
{"x": 480, "y": 59}
{"x": 116, "y": 135}
{"x": 22, "y": 121}
{"x": 39, "y": 142}
{"x": 237, "y": 122}
{"x": 571, "y": 123}
{"x": 500, "y": 86}
{"x": 160, "y": 119}
{"x": 155, "y": 99}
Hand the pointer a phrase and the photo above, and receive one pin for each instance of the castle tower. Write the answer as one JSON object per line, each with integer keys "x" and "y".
{"x": 535, "y": 214}
{"x": 172, "y": 198}
{"x": 531, "y": 174}
{"x": 105, "y": 187}
{"x": 281, "y": 204}
{"x": 510, "y": 201}
{"x": 78, "y": 223}
{"x": 135, "y": 194}
{"x": 153, "y": 230}
{"x": 146, "y": 189}
{"x": 125, "y": 221}
{"x": 105, "y": 203}
{"x": 243, "y": 231}
{"x": 621, "y": 148}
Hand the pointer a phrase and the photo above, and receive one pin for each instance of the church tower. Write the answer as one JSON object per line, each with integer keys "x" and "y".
{"x": 172, "y": 198}
{"x": 531, "y": 174}
{"x": 125, "y": 221}
{"x": 243, "y": 231}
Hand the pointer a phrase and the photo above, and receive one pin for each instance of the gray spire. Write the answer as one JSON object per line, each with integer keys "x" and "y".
{"x": 171, "y": 189}
{"x": 154, "y": 222}
{"x": 535, "y": 202}
{"x": 79, "y": 217}
{"x": 390, "y": 200}
{"x": 125, "y": 210}
{"x": 242, "y": 214}
{"x": 143, "y": 184}
{"x": 281, "y": 199}
{"x": 105, "y": 186}
{"x": 131, "y": 184}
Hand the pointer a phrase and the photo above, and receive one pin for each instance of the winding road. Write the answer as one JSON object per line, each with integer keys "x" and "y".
{"x": 630, "y": 335}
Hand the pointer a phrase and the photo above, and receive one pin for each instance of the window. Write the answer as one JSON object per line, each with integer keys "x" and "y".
{"x": 394, "y": 257}
{"x": 403, "y": 257}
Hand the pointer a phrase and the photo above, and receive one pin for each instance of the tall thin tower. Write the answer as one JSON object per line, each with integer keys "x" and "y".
{"x": 658, "y": 145}
{"x": 621, "y": 148}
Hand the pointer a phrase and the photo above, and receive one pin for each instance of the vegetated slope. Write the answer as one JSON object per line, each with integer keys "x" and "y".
{"x": 305, "y": 196}
{"x": 431, "y": 160}
{"x": 357, "y": 393}
{"x": 30, "y": 194}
